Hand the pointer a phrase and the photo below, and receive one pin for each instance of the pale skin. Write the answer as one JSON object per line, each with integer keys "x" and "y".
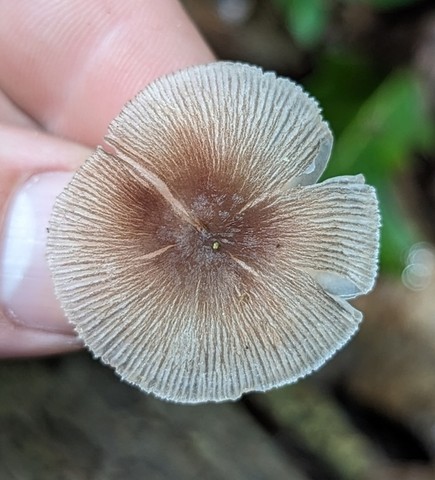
{"x": 66, "y": 69}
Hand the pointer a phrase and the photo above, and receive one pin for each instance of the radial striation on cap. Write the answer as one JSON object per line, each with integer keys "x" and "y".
{"x": 199, "y": 259}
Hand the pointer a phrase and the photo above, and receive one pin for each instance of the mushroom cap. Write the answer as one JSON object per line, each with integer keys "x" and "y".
{"x": 198, "y": 258}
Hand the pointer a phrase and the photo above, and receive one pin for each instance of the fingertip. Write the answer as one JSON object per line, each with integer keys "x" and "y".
{"x": 36, "y": 168}
{"x": 26, "y": 289}
{"x": 74, "y": 79}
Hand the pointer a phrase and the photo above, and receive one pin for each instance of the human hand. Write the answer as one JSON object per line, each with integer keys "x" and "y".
{"x": 67, "y": 68}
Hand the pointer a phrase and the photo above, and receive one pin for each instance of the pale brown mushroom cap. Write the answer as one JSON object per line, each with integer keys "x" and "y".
{"x": 197, "y": 260}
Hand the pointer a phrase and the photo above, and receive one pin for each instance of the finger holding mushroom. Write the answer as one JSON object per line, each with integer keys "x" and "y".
{"x": 198, "y": 259}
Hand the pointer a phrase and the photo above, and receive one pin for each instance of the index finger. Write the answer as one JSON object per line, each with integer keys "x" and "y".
{"x": 71, "y": 65}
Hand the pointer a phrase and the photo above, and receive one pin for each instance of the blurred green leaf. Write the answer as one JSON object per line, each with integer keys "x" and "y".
{"x": 341, "y": 83}
{"x": 398, "y": 235}
{"x": 306, "y": 19}
{"x": 390, "y": 125}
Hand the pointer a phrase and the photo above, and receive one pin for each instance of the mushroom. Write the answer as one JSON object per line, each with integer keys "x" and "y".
{"x": 199, "y": 259}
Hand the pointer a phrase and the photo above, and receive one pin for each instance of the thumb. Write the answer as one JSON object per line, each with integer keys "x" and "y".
{"x": 34, "y": 170}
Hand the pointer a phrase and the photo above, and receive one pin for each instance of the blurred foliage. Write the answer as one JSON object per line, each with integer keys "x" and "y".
{"x": 306, "y": 19}
{"x": 379, "y": 118}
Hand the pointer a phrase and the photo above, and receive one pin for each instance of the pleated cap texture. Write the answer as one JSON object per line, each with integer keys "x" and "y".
{"x": 199, "y": 258}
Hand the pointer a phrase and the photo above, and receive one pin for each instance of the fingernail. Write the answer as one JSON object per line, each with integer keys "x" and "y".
{"x": 26, "y": 290}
